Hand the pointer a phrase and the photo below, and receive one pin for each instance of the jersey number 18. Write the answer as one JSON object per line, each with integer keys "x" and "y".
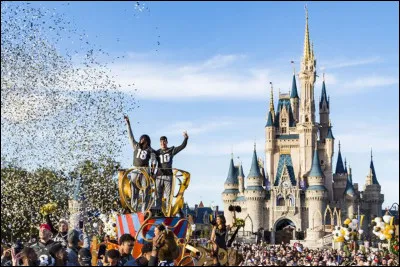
{"x": 141, "y": 154}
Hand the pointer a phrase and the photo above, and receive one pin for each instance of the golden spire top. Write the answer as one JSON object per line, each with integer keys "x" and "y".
{"x": 312, "y": 50}
{"x": 323, "y": 76}
{"x": 271, "y": 101}
{"x": 330, "y": 124}
{"x": 307, "y": 53}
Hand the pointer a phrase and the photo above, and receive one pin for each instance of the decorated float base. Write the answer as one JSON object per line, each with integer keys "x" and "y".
{"x": 142, "y": 229}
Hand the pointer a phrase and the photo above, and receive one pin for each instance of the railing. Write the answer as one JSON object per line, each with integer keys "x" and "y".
{"x": 285, "y": 209}
{"x": 327, "y": 240}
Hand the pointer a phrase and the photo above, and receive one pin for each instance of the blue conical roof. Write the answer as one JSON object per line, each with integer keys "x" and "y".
{"x": 254, "y": 170}
{"x": 339, "y": 163}
{"x": 293, "y": 92}
{"x": 374, "y": 179}
{"x": 232, "y": 174}
{"x": 330, "y": 135}
{"x": 269, "y": 121}
{"x": 316, "y": 167}
{"x": 349, "y": 186}
{"x": 323, "y": 96}
{"x": 241, "y": 173}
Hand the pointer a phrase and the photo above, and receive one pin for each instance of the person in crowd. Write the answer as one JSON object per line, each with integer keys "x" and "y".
{"x": 111, "y": 258}
{"x": 62, "y": 233}
{"x": 59, "y": 253}
{"x": 144, "y": 258}
{"x": 73, "y": 246}
{"x": 42, "y": 247}
{"x": 219, "y": 232}
{"x": 165, "y": 249}
{"x": 126, "y": 244}
{"x": 84, "y": 257}
{"x": 29, "y": 257}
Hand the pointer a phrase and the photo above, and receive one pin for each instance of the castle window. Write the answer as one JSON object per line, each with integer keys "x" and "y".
{"x": 280, "y": 201}
{"x": 283, "y": 119}
{"x": 283, "y": 130}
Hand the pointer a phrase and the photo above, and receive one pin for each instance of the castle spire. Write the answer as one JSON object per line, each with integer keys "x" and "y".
{"x": 339, "y": 164}
{"x": 271, "y": 101}
{"x": 307, "y": 52}
{"x": 254, "y": 170}
{"x": 349, "y": 184}
{"x": 232, "y": 175}
{"x": 372, "y": 171}
{"x": 293, "y": 92}
{"x": 316, "y": 167}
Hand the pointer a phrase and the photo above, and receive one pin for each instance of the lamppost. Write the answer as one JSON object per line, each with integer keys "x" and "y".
{"x": 395, "y": 222}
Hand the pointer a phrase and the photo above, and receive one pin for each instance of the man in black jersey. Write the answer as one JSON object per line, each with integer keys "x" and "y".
{"x": 164, "y": 169}
{"x": 142, "y": 153}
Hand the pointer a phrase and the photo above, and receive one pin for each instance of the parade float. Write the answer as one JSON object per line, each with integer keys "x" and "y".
{"x": 138, "y": 220}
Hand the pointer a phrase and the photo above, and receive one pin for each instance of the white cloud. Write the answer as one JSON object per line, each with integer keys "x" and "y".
{"x": 361, "y": 137}
{"x": 195, "y": 128}
{"x": 211, "y": 78}
{"x": 226, "y": 77}
{"x": 239, "y": 148}
{"x": 342, "y": 63}
{"x": 370, "y": 81}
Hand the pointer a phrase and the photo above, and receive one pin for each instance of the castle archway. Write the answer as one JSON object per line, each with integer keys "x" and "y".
{"x": 285, "y": 230}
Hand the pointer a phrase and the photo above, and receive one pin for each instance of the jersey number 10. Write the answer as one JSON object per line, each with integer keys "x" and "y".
{"x": 164, "y": 158}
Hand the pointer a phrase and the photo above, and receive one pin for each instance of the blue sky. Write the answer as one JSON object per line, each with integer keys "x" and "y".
{"x": 205, "y": 67}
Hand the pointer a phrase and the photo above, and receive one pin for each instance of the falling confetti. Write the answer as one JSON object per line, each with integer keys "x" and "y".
{"x": 61, "y": 118}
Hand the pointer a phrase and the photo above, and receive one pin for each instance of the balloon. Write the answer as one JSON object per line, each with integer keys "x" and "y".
{"x": 347, "y": 221}
{"x": 94, "y": 225}
{"x": 387, "y": 218}
{"x": 382, "y": 225}
{"x": 347, "y": 237}
{"x": 391, "y": 232}
{"x": 378, "y": 220}
{"x": 360, "y": 231}
{"x": 354, "y": 221}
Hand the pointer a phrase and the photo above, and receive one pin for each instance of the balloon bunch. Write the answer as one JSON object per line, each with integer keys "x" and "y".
{"x": 350, "y": 230}
{"x": 110, "y": 224}
{"x": 48, "y": 208}
{"x": 383, "y": 227}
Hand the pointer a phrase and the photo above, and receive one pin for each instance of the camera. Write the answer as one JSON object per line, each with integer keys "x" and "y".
{"x": 17, "y": 246}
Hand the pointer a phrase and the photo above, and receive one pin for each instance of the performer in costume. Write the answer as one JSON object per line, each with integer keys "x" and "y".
{"x": 142, "y": 153}
{"x": 164, "y": 158}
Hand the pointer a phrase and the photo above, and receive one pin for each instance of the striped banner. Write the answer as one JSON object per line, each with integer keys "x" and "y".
{"x": 131, "y": 223}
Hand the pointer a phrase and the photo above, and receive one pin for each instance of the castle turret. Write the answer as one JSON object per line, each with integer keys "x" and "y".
{"x": 255, "y": 193}
{"x": 339, "y": 178}
{"x": 307, "y": 127}
{"x": 76, "y": 205}
{"x": 231, "y": 191}
{"x": 316, "y": 198}
{"x": 294, "y": 99}
{"x": 372, "y": 196}
{"x": 349, "y": 196}
{"x": 270, "y": 138}
{"x": 323, "y": 113}
{"x": 241, "y": 179}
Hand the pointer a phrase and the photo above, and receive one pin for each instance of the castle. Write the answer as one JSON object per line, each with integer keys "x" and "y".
{"x": 299, "y": 187}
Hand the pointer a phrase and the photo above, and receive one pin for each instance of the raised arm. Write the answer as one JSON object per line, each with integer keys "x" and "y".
{"x": 48, "y": 221}
{"x": 130, "y": 134}
{"x": 183, "y": 145}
